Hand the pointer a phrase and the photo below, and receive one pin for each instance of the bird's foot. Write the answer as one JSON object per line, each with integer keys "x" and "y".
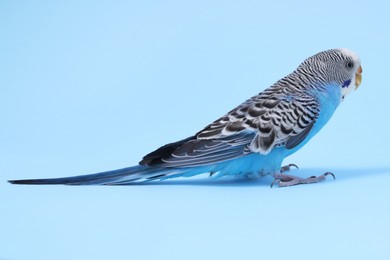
{"x": 287, "y": 168}
{"x": 285, "y": 180}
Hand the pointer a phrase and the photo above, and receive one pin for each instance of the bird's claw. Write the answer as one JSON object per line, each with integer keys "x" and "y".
{"x": 275, "y": 180}
{"x": 285, "y": 180}
{"x": 331, "y": 174}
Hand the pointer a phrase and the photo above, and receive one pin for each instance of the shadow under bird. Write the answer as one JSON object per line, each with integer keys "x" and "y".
{"x": 253, "y": 139}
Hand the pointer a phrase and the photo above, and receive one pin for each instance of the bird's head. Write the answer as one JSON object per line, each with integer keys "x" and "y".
{"x": 339, "y": 66}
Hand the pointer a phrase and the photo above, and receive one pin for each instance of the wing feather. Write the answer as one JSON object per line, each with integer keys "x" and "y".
{"x": 198, "y": 152}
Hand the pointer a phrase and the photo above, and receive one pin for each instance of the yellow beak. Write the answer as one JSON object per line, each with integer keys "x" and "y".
{"x": 358, "y": 77}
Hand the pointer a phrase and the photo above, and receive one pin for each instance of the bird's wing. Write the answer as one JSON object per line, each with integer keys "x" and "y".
{"x": 192, "y": 152}
{"x": 256, "y": 126}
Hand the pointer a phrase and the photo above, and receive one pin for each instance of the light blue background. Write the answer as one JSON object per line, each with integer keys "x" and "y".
{"x": 88, "y": 86}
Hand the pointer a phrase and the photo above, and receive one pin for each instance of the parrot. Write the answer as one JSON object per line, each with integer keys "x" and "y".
{"x": 253, "y": 139}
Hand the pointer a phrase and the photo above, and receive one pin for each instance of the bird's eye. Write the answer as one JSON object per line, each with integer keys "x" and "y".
{"x": 349, "y": 64}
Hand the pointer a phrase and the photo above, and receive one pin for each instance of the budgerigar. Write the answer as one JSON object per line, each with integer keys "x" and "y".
{"x": 253, "y": 139}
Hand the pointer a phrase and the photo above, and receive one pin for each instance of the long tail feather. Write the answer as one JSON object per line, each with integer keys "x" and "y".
{"x": 130, "y": 175}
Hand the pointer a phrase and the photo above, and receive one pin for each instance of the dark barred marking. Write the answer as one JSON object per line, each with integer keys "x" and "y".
{"x": 265, "y": 118}
{"x": 235, "y": 127}
{"x": 253, "y": 112}
{"x": 270, "y": 103}
{"x": 266, "y": 142}
{"x": 285, "y": 129}
{"x": 301, "y": 123}
{"x": 265, "y": 128}
{"x": 304, "y": 119}
{"x": 210, "y": 133}
{"x": 276, "y": 121}
{"x": 250, "y": 123}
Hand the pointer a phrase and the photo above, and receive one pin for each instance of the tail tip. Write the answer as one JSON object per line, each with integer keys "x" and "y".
{"x": 27, "y": 182}
{"x": 18, "y": 181}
